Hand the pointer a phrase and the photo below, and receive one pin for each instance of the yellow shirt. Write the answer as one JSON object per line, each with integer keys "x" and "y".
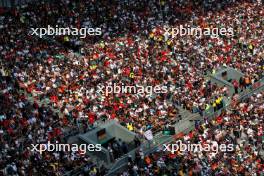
{"x": 250, "y": 46}
{"x": 131, "y": 75}
{"x": 93, "y": 67}
{"x": 207, "y": 107}
{"x": 214, "y": 104}
{"x": 168, "y": 42}
{"x": 221, "y": 98}
{"x": 102, "y": 45}
{"x": 130, "y": 127}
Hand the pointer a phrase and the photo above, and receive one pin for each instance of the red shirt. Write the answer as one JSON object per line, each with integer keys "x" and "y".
{"x": 54, "y": 98}
{"x": 113, "y": 115}
{"x": 126, "y": 71}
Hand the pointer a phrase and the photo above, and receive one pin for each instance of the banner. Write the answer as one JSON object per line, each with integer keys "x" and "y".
{"x": 148, "y": 134}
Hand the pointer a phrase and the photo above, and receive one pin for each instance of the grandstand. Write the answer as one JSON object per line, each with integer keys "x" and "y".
{"x": 213, "y": 87}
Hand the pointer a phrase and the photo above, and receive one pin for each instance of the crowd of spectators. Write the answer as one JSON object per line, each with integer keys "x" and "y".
{"x": 117, "y": 148}
{"x": 71, "y": 84}
{"x": 241, "y": 125}
{"x": 132, "y": 50}
{"x": 24, "y": 123}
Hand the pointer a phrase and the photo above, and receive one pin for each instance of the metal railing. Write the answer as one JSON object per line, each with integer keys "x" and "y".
{"x": 157, "y": 142}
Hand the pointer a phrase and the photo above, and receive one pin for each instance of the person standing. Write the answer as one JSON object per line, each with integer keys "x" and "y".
{"x": 236, "y": 85}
